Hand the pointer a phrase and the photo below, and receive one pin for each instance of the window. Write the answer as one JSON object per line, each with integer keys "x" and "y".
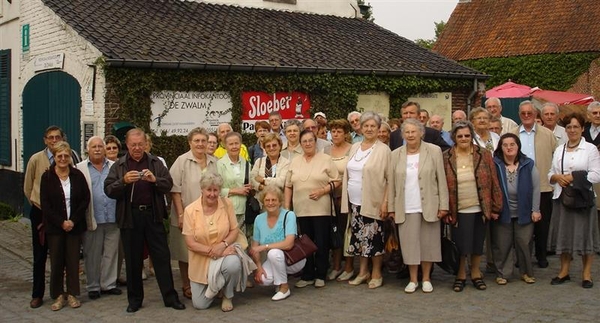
{"x": 5, "y": 140}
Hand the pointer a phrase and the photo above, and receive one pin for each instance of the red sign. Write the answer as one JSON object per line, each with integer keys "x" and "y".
{"x": 258, "y": 105}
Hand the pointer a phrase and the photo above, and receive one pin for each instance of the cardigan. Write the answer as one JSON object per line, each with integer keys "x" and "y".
{"x": 374, "y": 180}
{"x": 545, "y": 144}
{"x": 486, "y": 179}
{"x": 432, "y": 182}
{"x": 54, "y": 208}
{"x": 281, "y": 169}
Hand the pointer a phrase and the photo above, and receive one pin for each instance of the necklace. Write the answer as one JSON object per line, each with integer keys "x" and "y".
{"x": 571, "y": 147}
{"x": 366, "y": 154}
{"x": 511, "y": 176}
{"x": 210, "y": 218}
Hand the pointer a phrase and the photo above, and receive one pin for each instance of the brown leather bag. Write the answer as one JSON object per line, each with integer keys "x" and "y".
{"x": 303, "y": 247}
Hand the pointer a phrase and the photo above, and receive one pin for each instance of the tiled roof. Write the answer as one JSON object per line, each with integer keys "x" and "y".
{"x": 174, "y": 33}
{"x": 502, "y": 28}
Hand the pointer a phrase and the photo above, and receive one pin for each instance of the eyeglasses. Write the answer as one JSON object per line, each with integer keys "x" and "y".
{"x": 311, "y": 127}
{"x": 463, "y": 136}
{"x": 197, "y": 141}
{"x": 481, "y": 118}
{"x": 57, "y": 137}
{"x": 526, "y": 113}
{"x": 270, "y": 146}
{"x": 307, "y": 141}
{"x": 62, "y": 156}
{"x": 509, "y": 145}
{"x": 112, "y": 148}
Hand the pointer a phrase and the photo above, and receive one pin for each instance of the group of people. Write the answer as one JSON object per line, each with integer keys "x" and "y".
{"x": 502, "y": 191}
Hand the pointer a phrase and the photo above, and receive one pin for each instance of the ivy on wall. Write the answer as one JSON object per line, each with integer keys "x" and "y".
{"x": 334, "y": 94}
{"x": 547, "y": 71}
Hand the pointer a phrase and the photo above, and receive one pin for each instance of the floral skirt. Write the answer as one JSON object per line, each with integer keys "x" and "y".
{"x": 367, "y": 239}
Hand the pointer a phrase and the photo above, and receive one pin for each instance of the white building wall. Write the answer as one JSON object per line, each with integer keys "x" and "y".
{"x": 10, "y": 38}
{"x": 342, "y": 8}
{"x": 50, "y": 35}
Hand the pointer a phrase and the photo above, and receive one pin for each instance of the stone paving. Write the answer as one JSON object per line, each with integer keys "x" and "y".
{"x": 337, "y": 302}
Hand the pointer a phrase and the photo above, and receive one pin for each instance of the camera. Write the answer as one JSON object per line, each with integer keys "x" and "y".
{"x": 142, "y": 174}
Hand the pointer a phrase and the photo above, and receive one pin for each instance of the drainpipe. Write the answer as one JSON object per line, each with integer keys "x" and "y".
{"x": 471, "y": 96}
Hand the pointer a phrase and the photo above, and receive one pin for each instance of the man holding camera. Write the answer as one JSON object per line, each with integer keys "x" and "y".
{"x": 139, "y": 181}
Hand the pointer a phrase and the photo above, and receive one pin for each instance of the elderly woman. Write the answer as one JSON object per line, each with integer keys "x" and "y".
{"x": 256, "y": 151}
{"x": 520, "y": 184}
{"x": 484, "y": 138}
{"x": 574, "y": 230}
{"x": 418, "y": 199}
{"x": 364, "y": 198}
{"x": 476, "y": 197}
{"x": 340, "y": 138}
{"x": 292, "y": 148}
{"x": 187, "y": 171}
{"x": 64, "y": 198}
{"x": 384, "y": 133}
{"x": 307, "y": 187}
{"x": 232, "y": 168}
{"x": 210, "y": 228}
{"x": 274, "y": 232}
{"x": 271, "y": 169}
{"x": 213, "y": 143}
{"x": 113, "y": 147}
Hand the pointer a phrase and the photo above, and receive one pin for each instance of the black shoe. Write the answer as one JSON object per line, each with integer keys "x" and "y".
{"x": 558, "y": 281}
{"x": 113, "y": 291}
{"x": 543, "y": 263}
{"x": 94, "y": 294}
{"x": 132, "y": 309}
{"x": 176, "y": 304}
{"x": 587, "y": 284}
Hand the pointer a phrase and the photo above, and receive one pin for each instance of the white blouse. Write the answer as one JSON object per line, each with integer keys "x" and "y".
{"x": 585, "y": 157}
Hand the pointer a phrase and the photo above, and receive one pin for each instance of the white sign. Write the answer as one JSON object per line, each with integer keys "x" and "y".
{"x": 48, "y": 62}
{"x": 176, "y": 113}
{"x": 439, "y": 103}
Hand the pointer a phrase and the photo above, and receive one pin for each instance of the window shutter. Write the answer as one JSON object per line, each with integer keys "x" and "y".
{"x": 5, "y": 129}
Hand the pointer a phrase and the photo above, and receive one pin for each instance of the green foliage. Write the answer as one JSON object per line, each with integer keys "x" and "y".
{"x": 547, "y": 71}
{"x": 334, "y": 94}
{"x": 429, "y": 43}
{"x": 7, "y": 212}
{"x": 366, "y": 10}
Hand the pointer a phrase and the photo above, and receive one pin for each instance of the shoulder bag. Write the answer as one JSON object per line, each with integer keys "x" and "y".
{"x": 336, "y": 235}
{"x": 570, "y": 197}
{"x": 252, "y": 205}
{"x": 303, "y": 247}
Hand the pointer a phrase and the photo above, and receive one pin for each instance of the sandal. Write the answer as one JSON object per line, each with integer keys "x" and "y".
{"x": 459, "y": 285}
{"x": 73, "y": 301}
{"x": 478, "y": 283}
{"x": 226, "y": 305}
{"x": 501, "y": 281}
{"x": 59, "y": 303}
{"x": 528, "y": 279}
{"x": 187, "y": 292}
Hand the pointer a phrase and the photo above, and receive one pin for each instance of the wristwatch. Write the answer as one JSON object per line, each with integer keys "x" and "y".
{"x": 226, "y": 244}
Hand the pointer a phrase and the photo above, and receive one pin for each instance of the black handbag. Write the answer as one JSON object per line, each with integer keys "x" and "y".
{"x": 336, "y": 236}
{"x": 303, "y": 247}
{"x": 252, "y": 206}
{"x": 450, "y": 253}
{"x": 573, "y": 198}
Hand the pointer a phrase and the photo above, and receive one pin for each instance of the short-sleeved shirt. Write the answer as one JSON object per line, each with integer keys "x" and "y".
{"x": 263, "y": 234}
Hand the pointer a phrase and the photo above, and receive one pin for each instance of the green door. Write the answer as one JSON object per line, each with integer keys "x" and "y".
{"x": 52, "y": 98}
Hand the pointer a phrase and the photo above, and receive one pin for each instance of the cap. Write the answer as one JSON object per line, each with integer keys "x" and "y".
{"x": 320, "y": 114}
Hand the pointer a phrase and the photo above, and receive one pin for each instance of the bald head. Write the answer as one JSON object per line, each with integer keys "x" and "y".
{"x": 459, "y": 115}
{"x": 96, "y": 149}
{"x": 436, "y": 122}
{"x": 223, "y": 130}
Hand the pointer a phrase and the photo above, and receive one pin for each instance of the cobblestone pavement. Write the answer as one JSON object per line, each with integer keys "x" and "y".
{"x": 337, "y": 302}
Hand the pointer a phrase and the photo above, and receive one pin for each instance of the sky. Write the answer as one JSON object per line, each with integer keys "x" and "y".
{"x": 411, "y": 19}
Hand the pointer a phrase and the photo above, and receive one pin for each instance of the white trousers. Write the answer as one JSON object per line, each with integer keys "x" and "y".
{"x": 100, "y": 251}
{"x": 276, "y": 269}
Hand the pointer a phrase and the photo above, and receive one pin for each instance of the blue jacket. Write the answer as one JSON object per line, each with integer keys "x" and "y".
{"x": 525, "y": 188}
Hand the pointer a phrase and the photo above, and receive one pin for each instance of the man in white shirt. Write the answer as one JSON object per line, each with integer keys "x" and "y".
{"x": 550, "y": 118}
{"x": 494, "y": 106}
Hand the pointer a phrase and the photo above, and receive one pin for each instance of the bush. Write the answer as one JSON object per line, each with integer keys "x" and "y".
{"x": 6, "y": 211}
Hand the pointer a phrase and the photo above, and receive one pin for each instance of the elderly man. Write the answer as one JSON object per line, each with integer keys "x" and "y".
{"x": 538, "y": 143}
{"x": 323, "y": 146}
{"x": 101, "y": 240}
{"x": 321, "y": 120}
{"x": 222, "y": 131}
{"x": 424, "y": 117}
{"x": 550, "y": 119}
{"x": 437, "y": 122}
{"x": 139, "y": 182}
{"x": 354, "y": 119}
{"x": 459, "y": 115}
{"x": 591, "y": 133}
{"x": 275, "y": 121}
{"x": 494, "y": 106}
{"x": 410, "y": 110}
{"x": 495, "y": 126}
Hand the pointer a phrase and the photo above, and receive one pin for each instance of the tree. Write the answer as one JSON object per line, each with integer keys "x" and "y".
{"x": 366, "y": 10}
{"x": 428, "y": 43}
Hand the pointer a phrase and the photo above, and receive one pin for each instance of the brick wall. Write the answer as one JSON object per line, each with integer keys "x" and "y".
{"x": 589, "y": 82}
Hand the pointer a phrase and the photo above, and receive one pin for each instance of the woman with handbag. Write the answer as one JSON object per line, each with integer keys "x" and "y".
{"x": 232, "y": 168}
{"x": 364, "y": 198}
{"x": 186, "y": 171}
{"x": 513, "y": 228}
{"x": 270, "y": 169}
{"x": 210, "y": 228}
{"x": 574, "y": 228}
{"x": 418, "y": 199}
{"x": 475, "y": 197}
{"x": 274, "y": 232}
{"x": 307, "y": 190}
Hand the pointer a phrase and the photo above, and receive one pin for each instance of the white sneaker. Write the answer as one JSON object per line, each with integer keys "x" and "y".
{"x": 281, "y": 296}
{"x": 427, "y": 287}
{"x": 303, "y": 283}
{"x": 411, "y": 287}
{"x": 319, "y": 283}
